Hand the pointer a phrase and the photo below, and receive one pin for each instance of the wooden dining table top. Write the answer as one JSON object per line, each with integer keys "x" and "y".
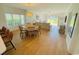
{"x": 30, "y": 27}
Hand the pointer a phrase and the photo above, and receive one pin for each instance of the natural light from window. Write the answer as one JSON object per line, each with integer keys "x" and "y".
{"x": 14, "y": 20}
{"x": 53, "y": 20}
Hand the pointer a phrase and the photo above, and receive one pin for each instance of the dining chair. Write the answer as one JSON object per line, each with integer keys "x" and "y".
{"x": 7, "y": 38}
{"x": 36, "y": 32}
{"x": 3, "y": 28}
{"x": 0, "y": 31}
{"x": 23, "y": 32}
{"x": 39, "y": 27}
{"x": 33, "y": 32}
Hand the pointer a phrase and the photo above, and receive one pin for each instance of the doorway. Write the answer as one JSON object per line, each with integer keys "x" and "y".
{"x": 53, "y": 20}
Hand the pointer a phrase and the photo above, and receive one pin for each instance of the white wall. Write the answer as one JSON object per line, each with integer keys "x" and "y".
{"x": 74, "y": 46}
{"x": 73, "y": 43}
{"x": 2, "y": 20}
{"x": 44, "y": 14}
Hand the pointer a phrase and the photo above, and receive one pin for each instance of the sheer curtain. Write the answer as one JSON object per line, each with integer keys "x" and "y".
{"x": 14, "y": 20}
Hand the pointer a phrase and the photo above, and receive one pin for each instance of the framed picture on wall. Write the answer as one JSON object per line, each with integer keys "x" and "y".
{"x": 72, "y": 23}
{"x": 65, "y": 19}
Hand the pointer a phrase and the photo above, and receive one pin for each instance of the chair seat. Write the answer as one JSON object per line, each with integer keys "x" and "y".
{"x": 6, "y": 40}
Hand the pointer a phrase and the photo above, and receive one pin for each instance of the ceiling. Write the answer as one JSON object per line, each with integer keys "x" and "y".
{"x": 54, "y": 8}
{"x": 39, "y": 5}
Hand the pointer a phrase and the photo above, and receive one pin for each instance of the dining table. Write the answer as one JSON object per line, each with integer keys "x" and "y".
{"x": 31, "y": 29}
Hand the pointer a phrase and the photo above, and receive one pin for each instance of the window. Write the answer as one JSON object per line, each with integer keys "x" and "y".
{"x": 14, "y": 20}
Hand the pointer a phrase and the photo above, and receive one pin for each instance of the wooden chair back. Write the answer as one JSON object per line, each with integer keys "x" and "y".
{"x": 10, "y": 35}
{"x": 20, "y": 28}
{"x": 3, "y": 28}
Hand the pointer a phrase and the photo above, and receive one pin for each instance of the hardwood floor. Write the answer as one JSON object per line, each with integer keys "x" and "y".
{"x": 47, "y": 43}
